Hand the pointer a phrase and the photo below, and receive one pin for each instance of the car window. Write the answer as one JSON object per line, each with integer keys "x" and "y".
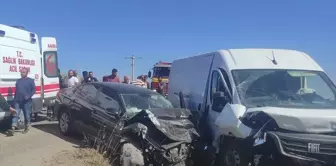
{"x": 88, "y": 92}
{"x": 108, "y": 100}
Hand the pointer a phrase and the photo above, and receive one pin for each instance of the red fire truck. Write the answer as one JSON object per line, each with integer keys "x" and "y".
{"x": 161, "y": 71}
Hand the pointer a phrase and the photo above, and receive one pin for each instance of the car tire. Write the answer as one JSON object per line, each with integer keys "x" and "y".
{"x": 131, "y": 155}
{"x": 65, "y": 123}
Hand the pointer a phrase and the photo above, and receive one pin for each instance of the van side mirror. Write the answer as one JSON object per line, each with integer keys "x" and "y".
{"x": 149, "y": 74}
{"x": 219, "y": 101}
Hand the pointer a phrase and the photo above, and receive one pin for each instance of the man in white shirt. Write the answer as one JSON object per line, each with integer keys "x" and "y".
{"x": 72, "y": 80}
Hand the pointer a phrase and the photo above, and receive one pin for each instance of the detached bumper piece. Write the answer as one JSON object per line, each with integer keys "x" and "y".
{"x": 308, "y": 147}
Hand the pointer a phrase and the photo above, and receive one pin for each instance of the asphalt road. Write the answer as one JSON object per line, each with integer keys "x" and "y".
{"x": 36, "y": 148}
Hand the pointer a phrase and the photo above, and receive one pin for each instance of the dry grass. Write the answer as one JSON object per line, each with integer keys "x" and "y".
{"x": 79, "y": 157}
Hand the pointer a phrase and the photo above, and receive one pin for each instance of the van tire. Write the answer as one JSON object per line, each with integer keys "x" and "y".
{"x": 232, "y": 153}
{"x": 131, "y": 156}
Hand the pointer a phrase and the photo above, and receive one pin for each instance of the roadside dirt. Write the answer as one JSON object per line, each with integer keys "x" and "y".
{"x": 44, "y": 146}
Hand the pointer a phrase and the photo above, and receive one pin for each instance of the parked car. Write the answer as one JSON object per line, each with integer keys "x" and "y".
{"x": 134, "y": 120}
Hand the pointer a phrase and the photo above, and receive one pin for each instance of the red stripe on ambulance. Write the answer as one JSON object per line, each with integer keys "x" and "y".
{"x": 10, "y": 91}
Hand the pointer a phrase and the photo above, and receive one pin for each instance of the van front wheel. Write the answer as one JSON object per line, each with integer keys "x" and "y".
{"x": 231, "y": 153}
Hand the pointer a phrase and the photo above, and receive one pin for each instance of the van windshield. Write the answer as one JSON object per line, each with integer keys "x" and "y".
{"x": 285, "y": 88}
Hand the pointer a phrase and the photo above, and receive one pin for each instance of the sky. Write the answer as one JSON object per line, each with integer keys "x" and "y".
{"x": 97, "y": 35}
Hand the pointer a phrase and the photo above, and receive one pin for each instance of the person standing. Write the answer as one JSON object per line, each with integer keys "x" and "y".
{"x": 147, "y": 83}
{"x": 85, "y": 77}
{"x": 72, "y": 80}
{"x": 60, "y": 79}
{"x": 74, "y": 73}
{"x": 112, "y": 78}
{"x": 139, "y": 82}
{"x": 25, "y": 89}
{"x": 126, "y": 80}
{"x": 91, "y": 78}
{"x": 161, "y": 87}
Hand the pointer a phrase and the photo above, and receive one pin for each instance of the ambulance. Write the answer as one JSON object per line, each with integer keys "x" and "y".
{"x": 20, "y": 49}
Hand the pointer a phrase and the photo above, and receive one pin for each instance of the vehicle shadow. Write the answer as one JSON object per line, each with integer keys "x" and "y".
{"x": 39, "y": 118}
{"x": 52, "y": 128}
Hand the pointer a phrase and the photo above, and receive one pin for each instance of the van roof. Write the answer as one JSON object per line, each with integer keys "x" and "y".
{"x": 262, "y": 59}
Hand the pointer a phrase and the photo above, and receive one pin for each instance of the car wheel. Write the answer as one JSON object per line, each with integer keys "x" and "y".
{"x": 64, "y": 123}
{"x": 130, "y": 155}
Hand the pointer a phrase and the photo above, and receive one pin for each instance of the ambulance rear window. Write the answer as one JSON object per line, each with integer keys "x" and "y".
{"x": 50, "y": 64}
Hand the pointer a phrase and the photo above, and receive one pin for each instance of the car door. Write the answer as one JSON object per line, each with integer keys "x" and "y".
{"x": 83, "y": 105}
{"x": 107, "y": 101}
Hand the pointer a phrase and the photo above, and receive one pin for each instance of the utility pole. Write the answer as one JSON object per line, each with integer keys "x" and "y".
{"x": 133, "y": 58}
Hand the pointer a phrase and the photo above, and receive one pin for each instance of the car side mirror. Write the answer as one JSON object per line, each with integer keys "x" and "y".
{"x": 149, "y": 74}
{"x": 112, "y": 111}
{"x": 219, "y": 101}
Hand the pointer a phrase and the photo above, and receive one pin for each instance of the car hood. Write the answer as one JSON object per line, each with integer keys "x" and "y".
{"x": 170, "y": 113}
{"x": 301, "y": 120}
{"x": 172, "y": 122}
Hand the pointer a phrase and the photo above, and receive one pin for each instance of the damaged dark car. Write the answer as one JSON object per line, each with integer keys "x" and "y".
{"x": 129, "y": 124}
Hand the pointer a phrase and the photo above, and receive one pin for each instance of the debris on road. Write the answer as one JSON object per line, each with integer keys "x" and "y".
{"x": 78, "y": 157}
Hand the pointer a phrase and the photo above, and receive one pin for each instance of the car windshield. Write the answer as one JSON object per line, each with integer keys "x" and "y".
{"x": 285, "y": 88}
{"x": 134, "y": 103}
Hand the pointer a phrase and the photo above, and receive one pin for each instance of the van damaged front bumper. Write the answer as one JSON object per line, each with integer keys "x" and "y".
{"x": 308, "y": 147}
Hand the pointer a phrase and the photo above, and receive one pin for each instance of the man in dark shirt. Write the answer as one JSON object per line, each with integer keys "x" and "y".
{"x": 25, "y": 89}
{"x": 112, "y": 78}
{"x": 85, "y": 77}
{"x": 60, "y": 79}
{"x": 92, "y": 78}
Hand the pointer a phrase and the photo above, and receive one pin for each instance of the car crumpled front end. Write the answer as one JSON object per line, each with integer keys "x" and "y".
{"x": 281, "y": 131}
{"x": 164, "y": 135}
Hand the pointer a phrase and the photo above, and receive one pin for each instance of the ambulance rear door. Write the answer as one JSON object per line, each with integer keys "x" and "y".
{"x": 49, "y": 69}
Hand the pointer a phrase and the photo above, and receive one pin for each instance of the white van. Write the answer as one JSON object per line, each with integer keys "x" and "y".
{"x": 260, "y": 102}
{"x": 21, "y": 49}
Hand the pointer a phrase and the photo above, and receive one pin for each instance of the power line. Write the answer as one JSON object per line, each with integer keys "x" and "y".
{"x": 133, "y": 59}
